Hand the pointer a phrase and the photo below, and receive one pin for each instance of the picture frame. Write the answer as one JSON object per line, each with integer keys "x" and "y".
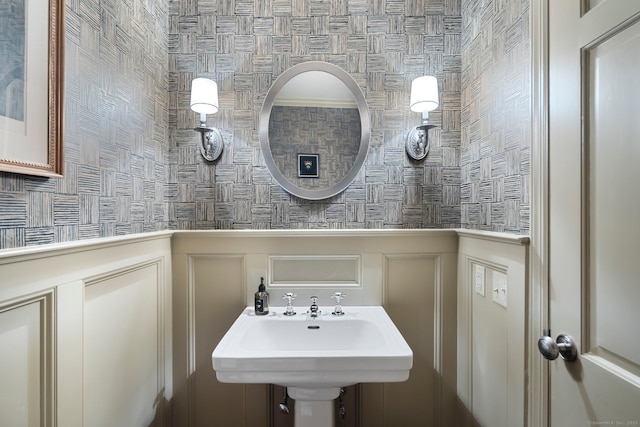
{"x": 31, "y": 89}
{"x": 308, "y": 165}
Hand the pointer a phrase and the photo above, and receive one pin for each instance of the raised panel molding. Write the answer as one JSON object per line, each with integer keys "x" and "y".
{"x": 491, "y": 379}
{"x": 419, "y": 292}
{"x": 26, "y": 339}
{"x": 123, "y": 336}
{"x": 52, "y": 279}
{"x": 333, "y": 271}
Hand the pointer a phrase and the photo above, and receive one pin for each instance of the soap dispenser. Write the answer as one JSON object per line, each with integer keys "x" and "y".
{"x": 261, "y": 299}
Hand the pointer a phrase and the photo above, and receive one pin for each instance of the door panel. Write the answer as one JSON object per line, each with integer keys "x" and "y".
{"x": 613, "y": 157}
{"x": 594, "y": 61}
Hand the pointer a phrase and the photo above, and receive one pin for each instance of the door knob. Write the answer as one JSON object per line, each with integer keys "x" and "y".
{"x": 563, "y": 346}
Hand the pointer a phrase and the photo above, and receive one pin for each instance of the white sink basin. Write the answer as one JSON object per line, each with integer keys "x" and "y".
{"x": 330, "y": 351}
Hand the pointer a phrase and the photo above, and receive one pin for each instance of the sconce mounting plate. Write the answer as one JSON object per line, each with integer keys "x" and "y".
{"x": 211, "y": 143}
{"x": 417, "y": 145}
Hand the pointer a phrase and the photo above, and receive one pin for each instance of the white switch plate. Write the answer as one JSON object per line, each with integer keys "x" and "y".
{"x": 478, "y": 279}
{"x": 500, "y": 288}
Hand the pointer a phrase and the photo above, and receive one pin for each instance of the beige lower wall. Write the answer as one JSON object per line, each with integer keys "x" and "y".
{"x": 120, "y": 331}
{"x": 85, "y": 333}
{"x": 411, "y": 273}
{"x": 491, "y": 371}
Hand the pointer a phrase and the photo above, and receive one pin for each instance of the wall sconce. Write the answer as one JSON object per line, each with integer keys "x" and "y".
{"x": 424, "y": 98}
{"x": 204, "y": 100}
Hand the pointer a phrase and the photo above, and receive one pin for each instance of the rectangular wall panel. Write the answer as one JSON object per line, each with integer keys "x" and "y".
{"x": 85, "y": 333}
{"x": 20, "y": 365}
{"x": 491, "y": 367}
{"x": 409, "y": 301}
{"x": 122, "y": 345}
{"x": 217, "y": 297}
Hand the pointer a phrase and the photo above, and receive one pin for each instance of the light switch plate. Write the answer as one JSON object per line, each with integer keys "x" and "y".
{"x": 500, "y": 288}
{"x": 478, "y": 279}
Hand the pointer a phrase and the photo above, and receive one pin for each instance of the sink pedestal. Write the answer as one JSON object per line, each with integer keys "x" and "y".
{"x": 314, "y": 406}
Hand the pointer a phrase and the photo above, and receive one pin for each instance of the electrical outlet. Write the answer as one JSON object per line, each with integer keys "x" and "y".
{"x": 478, "y": 279}
{"x": 500, "y": 288}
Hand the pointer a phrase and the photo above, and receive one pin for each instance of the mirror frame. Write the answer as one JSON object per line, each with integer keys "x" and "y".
{"x": 365, "y": 134}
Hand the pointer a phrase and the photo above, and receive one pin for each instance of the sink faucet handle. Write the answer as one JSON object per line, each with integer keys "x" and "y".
{"x": 289, "y": 296}
{"x": 314, "y": 299}
{"x": 338, "y": 296}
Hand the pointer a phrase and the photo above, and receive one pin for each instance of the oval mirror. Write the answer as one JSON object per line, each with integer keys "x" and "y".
{"x": 314, "y": 130}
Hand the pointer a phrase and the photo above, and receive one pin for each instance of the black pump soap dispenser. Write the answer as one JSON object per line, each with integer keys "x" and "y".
{"x": 261, "y": 299}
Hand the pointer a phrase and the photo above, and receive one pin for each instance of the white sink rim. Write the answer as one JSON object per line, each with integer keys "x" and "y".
{"x": 390, "y": 361}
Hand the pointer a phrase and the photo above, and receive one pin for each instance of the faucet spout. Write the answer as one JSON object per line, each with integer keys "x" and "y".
{"x": 313, "y": 310}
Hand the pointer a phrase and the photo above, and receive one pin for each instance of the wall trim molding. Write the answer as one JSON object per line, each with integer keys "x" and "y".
{"x": 45, "y": 300}
{"x": 493, "y": 236}
{"x": 8, "y": 256}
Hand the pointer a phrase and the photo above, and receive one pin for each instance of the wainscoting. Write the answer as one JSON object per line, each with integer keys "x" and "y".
{"x": 85, "y": 333}
{"x": 120, "y": 331}
{"x": 492, "y": 337}
{"x": 411, "y": 273}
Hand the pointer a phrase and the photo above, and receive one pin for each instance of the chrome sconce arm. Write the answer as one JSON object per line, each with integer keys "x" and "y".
{"x": 211, "y": 143}
{"x": 417, "y": 145}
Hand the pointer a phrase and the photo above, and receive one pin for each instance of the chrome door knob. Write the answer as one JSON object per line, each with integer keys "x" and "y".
{"x": 563, "y": 346}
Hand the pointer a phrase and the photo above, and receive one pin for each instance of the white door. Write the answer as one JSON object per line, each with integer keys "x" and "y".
{"x": 594, "y": 202}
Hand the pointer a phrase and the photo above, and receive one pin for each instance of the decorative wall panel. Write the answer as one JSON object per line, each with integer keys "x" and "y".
{"x": 85, "y": 333}
{"x": 410, "y": 272}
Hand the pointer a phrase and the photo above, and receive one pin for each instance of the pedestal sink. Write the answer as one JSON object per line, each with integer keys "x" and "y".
{"x": 313, "y": 357}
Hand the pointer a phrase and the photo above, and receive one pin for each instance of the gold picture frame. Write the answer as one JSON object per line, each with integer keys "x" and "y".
{"x": 31, "y": 103}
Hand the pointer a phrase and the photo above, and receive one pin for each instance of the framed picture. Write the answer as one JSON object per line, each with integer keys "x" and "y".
{"x": 31, "y": 87}
{"x": 307, "y": 165}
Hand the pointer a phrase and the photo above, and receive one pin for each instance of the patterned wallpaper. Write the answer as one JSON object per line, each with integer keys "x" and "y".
{"x": 115, "y": 132}
{"x": 332, "y": 133}
{"x": 495, "y": 115}
{"x": 131, "y": 163}
{"x": 246, "y": 44}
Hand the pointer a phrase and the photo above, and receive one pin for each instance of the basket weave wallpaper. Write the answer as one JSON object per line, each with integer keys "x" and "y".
{"x": 131, "y": 163}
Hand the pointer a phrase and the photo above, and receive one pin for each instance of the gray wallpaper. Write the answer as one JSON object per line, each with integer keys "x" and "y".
{"x": 245, "y": 45}
{"x": 495, "y": 115}
{"x": 115, "y": 132}
{"x": 333, "y": 134}
{"x": 131, "y": 163}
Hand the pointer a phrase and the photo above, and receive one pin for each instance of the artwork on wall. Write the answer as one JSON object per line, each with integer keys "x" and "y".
{"x": 31, "y": 47}
{"x": 307, "y": 165}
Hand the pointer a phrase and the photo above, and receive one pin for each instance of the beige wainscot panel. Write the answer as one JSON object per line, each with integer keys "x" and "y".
{"x": 419, "y": 295}
{"x": 411, "y": 271}
{"x": 209, "y": 294}
{"x": 26, "y": 362}
{"x": 95, "y": 313}
{"x": 123, "y": 343}
{"x": 492, "y": 289}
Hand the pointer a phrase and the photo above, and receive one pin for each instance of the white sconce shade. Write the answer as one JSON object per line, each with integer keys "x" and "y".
{"x": 204, "y": 96}
{"x": 424, "y": 94}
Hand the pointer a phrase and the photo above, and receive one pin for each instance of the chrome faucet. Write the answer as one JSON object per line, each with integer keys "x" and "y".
{"x": 289, "y": 296}
{"x": 338, "y": 296}
{"x": 313, "y": 310}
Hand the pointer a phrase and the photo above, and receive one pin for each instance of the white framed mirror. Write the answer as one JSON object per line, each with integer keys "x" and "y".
{"x": 314, "y": 130}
